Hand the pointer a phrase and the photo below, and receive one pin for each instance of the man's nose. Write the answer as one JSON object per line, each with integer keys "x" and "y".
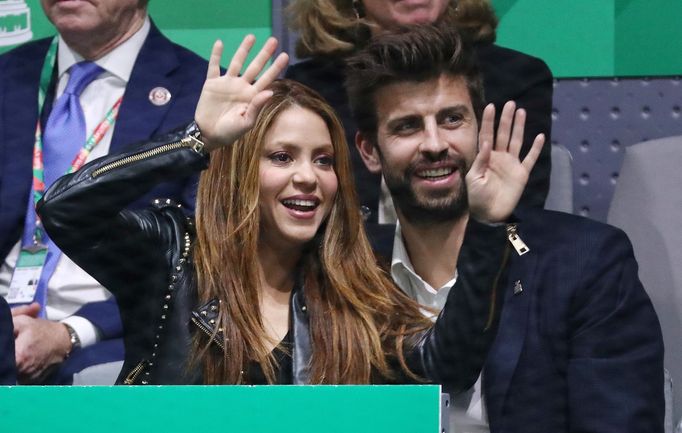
{"x": 432, "y": 143}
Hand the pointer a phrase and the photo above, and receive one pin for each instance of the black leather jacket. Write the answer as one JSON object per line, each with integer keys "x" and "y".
{"x": 145, "y": 259}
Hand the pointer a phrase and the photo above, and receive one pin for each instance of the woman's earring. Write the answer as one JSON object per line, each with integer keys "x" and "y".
{"x": 359, "y": 9}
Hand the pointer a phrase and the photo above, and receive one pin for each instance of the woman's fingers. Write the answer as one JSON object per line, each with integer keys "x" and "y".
{"x": 271, "y": 74}
{"x": 240, "y": 55}
{"x": 256, "y": 66}
{"x": 256, "y": 104}
{"x": 214, "y": 60}
{"x": 504, "y": 129}
{"x": 258, "y": 63}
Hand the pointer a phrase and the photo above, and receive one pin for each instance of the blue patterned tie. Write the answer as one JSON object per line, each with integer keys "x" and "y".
{"x": 64, "y": 133}
{"x": 63, "y": 137}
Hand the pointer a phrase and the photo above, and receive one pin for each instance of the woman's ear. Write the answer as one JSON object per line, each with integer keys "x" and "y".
{"x": 368, "y": 152}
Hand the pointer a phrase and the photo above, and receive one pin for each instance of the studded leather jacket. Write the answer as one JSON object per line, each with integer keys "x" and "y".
{"x": 145, "y": 259}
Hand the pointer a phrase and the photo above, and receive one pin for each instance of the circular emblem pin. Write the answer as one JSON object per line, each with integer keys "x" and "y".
{"x": 159, "y": 96}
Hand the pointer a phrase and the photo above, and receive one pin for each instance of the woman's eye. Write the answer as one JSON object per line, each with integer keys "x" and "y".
{"x": 280, "y": 157}
{"x": 325, "y": 160}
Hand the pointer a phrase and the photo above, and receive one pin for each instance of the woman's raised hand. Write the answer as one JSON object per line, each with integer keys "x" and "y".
{"x": 229, "y": 104}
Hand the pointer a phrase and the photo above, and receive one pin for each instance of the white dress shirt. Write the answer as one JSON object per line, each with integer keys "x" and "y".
{"x": 467, "y": 413}
{"x": 70, "y": 287}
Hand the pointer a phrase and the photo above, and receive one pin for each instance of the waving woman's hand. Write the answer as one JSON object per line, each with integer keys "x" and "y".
{"x": 229, "y": 104}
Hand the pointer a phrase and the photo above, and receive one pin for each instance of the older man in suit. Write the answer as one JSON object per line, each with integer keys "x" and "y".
{"x": 579, "y": 346}
{"x": 108, "y": 79}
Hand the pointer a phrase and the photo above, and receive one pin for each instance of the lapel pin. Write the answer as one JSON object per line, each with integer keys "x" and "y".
{"x": 518, "y": 288}
{"x": 159, "y": 96}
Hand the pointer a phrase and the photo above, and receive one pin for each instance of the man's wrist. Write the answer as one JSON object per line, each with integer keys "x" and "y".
{"x": 74, "y": 339}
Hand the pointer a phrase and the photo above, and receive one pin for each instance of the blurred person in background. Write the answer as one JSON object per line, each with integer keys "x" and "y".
{"x": 109, "y": 78}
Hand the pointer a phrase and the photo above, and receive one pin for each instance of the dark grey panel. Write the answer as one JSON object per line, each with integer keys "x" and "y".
{"x": 596, "y": 118}
{"x": 286, "y": 38}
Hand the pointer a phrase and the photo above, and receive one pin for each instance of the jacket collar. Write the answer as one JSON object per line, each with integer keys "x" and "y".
{"x": 206, "y": 316}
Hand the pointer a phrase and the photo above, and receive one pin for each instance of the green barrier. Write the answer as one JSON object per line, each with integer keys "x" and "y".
{"x": 252, "y": 409}
{"x": 595, "y": 38}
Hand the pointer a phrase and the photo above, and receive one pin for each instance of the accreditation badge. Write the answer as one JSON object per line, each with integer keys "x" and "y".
{"x": 22, "y": 288}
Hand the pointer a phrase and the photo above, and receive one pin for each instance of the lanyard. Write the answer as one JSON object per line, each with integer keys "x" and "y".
{"x": 38, "y": 187}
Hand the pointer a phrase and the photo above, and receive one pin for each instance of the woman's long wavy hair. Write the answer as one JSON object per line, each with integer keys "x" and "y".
{"x": 358, "y": 317}
{"x": 333, "y": 27}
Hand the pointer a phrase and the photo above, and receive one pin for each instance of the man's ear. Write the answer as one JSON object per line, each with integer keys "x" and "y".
{"x": 368, "y": 152}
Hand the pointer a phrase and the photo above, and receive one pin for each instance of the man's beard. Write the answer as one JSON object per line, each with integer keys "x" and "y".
{"x": 424, "y": 210}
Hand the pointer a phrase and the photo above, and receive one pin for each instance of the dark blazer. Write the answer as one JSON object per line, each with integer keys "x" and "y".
{"x": 507, "y": 75}
{"x": 579, "y": 348}
{"x": 159, "y": 63}
{"x": 8, "y": 370}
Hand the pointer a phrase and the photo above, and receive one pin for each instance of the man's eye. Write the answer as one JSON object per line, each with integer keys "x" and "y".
{"x": 404, "y": 127}
{"x": 280, "y": 157}
{"x": 452, "y": 119}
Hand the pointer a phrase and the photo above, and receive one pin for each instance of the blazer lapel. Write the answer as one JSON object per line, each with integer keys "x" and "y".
{"x": 138, "y": 118}
{"x": 19, "y": 95}
{"x": 506, "y": 349}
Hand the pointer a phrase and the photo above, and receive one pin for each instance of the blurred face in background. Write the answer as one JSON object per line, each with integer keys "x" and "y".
{"x": 95, "y": 23}
{"x": 388, "y": 14}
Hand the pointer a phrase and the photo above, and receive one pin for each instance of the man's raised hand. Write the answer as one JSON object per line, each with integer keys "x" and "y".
{"x": 497, "y": 177}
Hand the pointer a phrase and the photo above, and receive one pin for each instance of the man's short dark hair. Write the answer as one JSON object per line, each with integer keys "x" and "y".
{"x": 412, "y": 54}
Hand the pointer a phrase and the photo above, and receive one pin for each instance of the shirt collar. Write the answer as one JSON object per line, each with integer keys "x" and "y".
{"x": 400, "y": 256}
{"x": 118, "y": 62}
{"x": 402, "y": 268}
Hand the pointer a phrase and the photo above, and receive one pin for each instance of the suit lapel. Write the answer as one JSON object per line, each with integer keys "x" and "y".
{"x": 508, "y": 345}
{"x": 19, "y": 94}
{"x": 138, "y": 118}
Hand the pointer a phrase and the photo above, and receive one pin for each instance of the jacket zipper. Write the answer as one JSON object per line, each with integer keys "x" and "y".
{"x": 516, "y": 241}
{"x": 190, "y": 141}
{"x": 134, "y": 373}
{"x": 208, "y": 332}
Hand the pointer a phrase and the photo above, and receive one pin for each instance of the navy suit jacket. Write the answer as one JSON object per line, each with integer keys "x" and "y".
{"x": 160, "y": 63}
{"x": 579, "y": 348}
{"x": 8, "y": 373}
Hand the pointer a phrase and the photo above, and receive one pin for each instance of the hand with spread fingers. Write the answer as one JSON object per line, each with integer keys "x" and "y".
{"x": 229, "y": 103}
{"x": 497, "y": 177}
